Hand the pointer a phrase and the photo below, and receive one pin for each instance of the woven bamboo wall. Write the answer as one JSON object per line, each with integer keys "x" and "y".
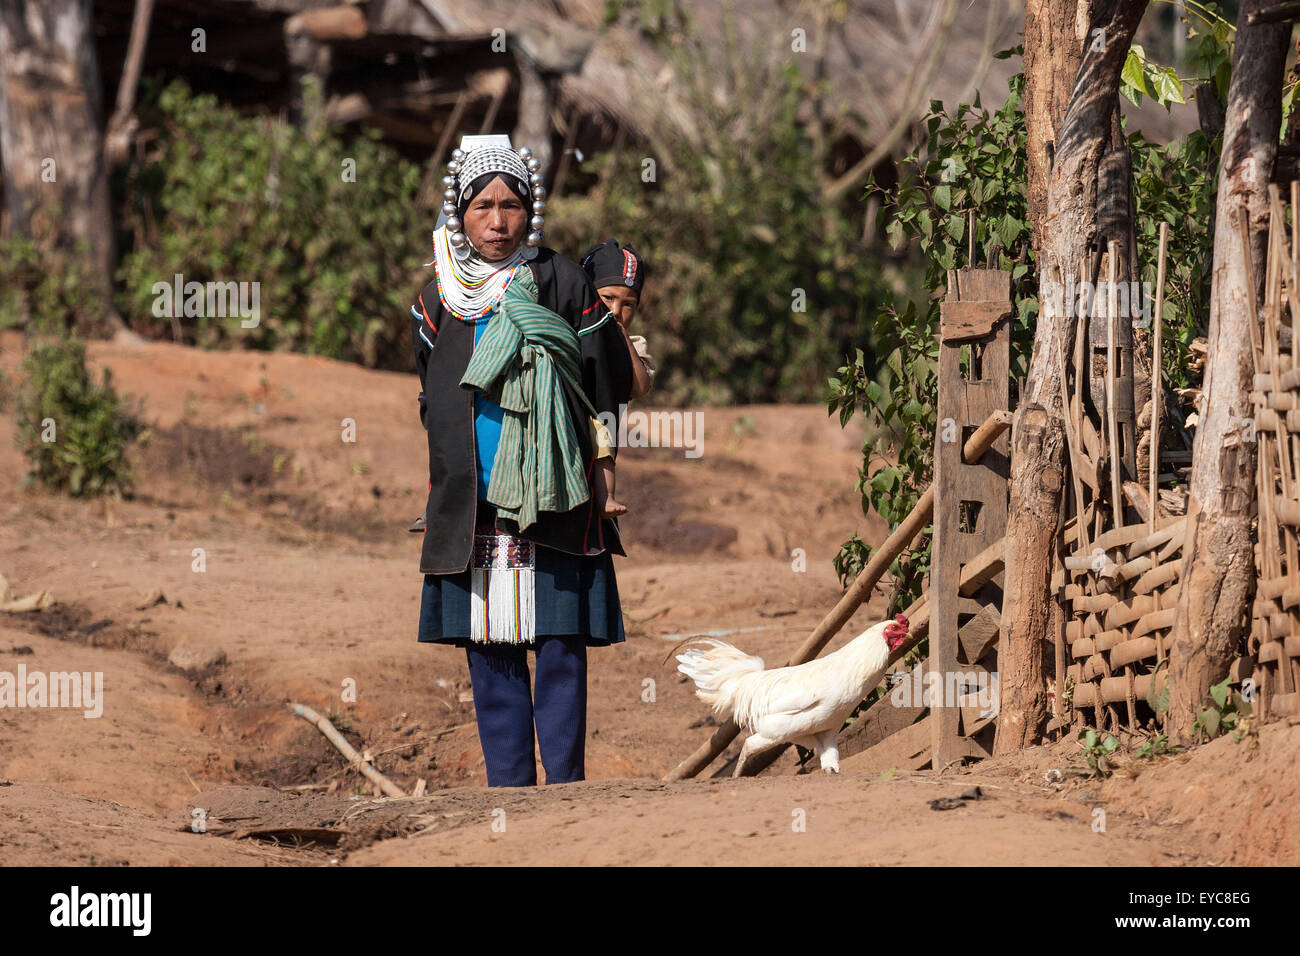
{"x": 1118, "y": 614}
{"x": 1118, "y": 591}
{"x": 1275, "y": 621}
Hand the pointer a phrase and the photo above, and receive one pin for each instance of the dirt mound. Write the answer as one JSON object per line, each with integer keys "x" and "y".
{"x": 41, "y": 825}
{"x": 1255, "y": 822}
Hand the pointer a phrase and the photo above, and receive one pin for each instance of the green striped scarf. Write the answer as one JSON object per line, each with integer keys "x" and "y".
{"x": 518, "y": 363}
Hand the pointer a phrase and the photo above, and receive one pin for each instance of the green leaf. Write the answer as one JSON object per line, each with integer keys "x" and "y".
{"x": 1009, "y": 230}
{"x": 1219, "y": 692}
{"x": 1131, "y": 76}
{"x": 1169, "y": 88}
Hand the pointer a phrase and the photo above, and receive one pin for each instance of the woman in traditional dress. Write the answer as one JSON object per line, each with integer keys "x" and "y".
{"x": 516, "y": 354}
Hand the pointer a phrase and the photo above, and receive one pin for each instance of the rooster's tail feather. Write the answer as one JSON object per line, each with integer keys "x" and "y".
{"x": 717, "y": 672}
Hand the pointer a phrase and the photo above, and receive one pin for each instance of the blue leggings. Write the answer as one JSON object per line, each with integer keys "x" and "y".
{"x": 506, "y": 710}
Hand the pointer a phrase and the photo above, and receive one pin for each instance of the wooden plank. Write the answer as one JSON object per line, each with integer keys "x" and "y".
{"x": 907, "y": 750}
{"x": 1137, "y": 497}
{"x": 1155, "y": 621}
{"x": 960, "y": 321}
{"x": 983, "y": 568}
{"x": 979, "y": 634}
{"x": 1284, "y": 705}
{"x": 1158, "y": 577}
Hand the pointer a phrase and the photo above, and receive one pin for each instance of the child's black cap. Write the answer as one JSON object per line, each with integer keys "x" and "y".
{"x": 611, "y": 264}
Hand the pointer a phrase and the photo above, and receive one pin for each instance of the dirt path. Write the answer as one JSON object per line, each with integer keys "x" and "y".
{"x": 305, "y": 584}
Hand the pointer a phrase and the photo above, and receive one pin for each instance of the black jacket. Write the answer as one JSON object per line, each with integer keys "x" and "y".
{"x": 448, "y": 415}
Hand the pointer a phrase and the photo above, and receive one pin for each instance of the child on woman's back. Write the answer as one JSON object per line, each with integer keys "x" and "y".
{"x": 619, "y": 276}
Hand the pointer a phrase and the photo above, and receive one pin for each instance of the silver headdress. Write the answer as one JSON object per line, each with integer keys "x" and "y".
{"x": 491, "y": 154}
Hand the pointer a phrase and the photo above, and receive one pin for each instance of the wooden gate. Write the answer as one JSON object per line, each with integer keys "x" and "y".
{"x": 970, "y": 513}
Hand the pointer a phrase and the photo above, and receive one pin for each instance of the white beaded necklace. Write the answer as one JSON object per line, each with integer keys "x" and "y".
{"x": 469, "y": 286}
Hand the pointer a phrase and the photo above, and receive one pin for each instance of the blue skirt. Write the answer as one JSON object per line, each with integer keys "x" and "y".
{"x": 573, "y": 595}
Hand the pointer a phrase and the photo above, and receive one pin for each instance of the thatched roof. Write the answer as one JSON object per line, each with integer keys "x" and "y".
{"x": 609, "y": 71}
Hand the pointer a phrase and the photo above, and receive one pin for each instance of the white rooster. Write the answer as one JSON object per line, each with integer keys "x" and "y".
{"x": 805, "y": 704}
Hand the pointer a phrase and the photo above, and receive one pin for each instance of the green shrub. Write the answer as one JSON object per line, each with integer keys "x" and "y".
{"x": 45, "y": 284}
{"x": 227, "y": 198}
{"x": 75, "y": 432}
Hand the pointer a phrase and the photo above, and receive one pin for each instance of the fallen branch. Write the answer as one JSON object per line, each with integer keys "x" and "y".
{"x": 347, "y": 750}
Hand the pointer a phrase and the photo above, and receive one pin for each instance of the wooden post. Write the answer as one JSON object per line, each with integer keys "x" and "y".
{"x": 122, "y": 124}
{"x": 970, "y": 510}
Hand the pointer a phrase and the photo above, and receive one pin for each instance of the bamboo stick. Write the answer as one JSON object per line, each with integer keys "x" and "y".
{"x": 1112, "y": 421}
{"x": 1075, "y": 410}
{"x": 1295, "y": 269}
{"x": 1156, "y": 371}
{"x": 1243, "y": 230}
{"x": 1071, "y": 432}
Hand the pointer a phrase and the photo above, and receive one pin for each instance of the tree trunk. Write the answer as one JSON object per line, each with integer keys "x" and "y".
{"x": 1038, "y": 436}
{"x": 51, "y": 143}
{"x": 1218, "y": 567}
{"x": 1054, "y": 35}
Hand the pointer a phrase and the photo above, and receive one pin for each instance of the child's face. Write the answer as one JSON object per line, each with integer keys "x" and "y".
{"x": 620, "y": 300}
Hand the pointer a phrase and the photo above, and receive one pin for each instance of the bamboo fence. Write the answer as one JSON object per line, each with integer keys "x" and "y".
{"x": 1275, "y": 619}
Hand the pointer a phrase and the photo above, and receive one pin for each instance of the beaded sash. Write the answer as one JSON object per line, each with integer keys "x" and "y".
{"x": 502, "y": 589}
